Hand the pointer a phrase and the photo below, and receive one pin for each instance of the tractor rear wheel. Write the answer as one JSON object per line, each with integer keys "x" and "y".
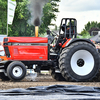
{"x": 16, "y": 71}
{"x": 79, "y": 62}
{"x": 56, "y": 76}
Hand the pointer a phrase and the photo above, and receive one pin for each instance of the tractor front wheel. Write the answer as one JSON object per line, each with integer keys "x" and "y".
{"x": 16, "y": 71}
{"x": 79, "y": 62}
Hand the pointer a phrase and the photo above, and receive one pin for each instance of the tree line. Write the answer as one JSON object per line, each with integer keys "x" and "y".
{"x": 89, "y": 27}
{"x": 20, "y": 26}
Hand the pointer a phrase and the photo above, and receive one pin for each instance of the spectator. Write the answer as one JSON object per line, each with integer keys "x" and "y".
{"x": 1, "y": 43}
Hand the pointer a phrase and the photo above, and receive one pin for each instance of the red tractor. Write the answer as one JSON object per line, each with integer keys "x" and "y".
{"x": 70, "y": 59}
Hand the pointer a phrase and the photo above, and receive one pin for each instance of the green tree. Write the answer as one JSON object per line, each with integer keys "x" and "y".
{"x": 20, "y": 26}
{"x": 84, "y": 34}
{"x": 98, "y": 25}
{"x": 3, "y": 16}
{"x": 90, "y": 25}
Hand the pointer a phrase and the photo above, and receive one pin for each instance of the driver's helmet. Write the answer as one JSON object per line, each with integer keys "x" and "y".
{"x": 67, "y": 28}
{"x": 63, "y": 27}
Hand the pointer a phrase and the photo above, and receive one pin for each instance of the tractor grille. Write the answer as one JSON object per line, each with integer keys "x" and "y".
{"x": 6, "y": 39}
{"x": 7, "y": 52}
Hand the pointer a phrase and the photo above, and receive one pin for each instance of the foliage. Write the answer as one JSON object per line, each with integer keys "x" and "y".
{"x": 92, "y": 26}
{"x": 20, "y": 25}
{"x": 49, "y": 14}
{"x": 84, "y": 34}
{"x": 3, "y": 16}
{"x": 89, "y": 27}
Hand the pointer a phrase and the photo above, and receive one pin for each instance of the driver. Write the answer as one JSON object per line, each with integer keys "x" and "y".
{"x": 67, "y": 30}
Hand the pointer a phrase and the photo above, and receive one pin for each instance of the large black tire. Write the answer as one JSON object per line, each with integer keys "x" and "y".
{"x": 79, "y": 62}
{"x": 4, "y": 77}
{"x": 16, "y": 71}
{"x": 56, "y": 76}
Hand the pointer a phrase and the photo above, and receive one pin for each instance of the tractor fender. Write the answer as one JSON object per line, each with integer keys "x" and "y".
{"x": 70, "y": 41}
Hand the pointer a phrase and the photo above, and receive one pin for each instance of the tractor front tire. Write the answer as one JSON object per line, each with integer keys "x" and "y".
{"x": 79, "y": 62}
{"x": 16, "y": 71}
{"x": 56, "y": 76}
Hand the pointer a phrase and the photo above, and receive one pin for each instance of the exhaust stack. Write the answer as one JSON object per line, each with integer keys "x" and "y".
{"x": 36, "y": 9}
{"x": 36, "y": 31}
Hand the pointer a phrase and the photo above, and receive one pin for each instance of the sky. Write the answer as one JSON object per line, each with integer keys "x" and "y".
{"x": 82, "y": 10}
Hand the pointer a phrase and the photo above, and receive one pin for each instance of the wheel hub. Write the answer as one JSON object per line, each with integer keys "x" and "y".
{"x": 80, "y": 62}
{"x": 17, "y": 71}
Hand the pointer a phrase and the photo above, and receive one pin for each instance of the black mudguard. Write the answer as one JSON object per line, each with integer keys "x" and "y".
{"x": 78, "y": 40}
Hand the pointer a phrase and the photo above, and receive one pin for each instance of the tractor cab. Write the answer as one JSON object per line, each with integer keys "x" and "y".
{"x": 68, "y": 28}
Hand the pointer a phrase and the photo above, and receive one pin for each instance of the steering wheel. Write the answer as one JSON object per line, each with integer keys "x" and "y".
{"x": 54, "y": 33}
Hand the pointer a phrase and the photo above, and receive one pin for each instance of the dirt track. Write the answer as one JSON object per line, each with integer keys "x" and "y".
{"x": 43, "y": 80}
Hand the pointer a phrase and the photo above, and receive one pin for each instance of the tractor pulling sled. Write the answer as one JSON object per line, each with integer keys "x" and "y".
{"x": 70, "y": 59}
